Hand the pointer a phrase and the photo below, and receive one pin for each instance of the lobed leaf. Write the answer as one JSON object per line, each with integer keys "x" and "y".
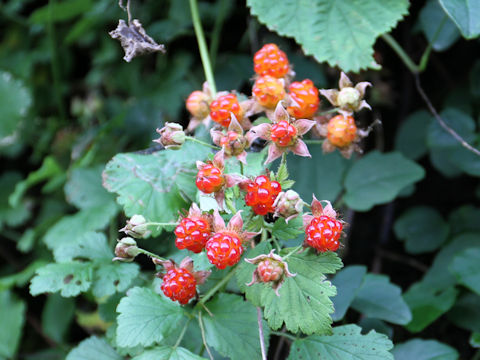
{"x": 347, "y": 281}
{"x": 93, "y": 348}
{"x": 420, "y": 349}
{"x": 465, "y": 267}
{"x": 465, "y": 14}
{"x": 115, "y": 277}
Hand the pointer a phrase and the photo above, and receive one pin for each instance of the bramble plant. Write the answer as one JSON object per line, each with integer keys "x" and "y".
{"x": 216, "y": 208}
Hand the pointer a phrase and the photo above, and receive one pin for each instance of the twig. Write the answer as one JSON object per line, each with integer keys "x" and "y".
{"x": 202, "y": 330}
{"x": 127, "y": 9}
{"x": 402, "y": 259}
{"x": 260, "y": 333}
{"x": 440, "y": 120}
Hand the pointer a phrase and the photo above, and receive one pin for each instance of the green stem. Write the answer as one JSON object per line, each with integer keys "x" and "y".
{"x": 279, "y": 333}
{"x": 230, "y": 207}
{"x": 191, "y": 138}
{"x": 152, "y": 255}
{"x": 329, "y": 111}
{"x": 202, "y": 330}
{"x": 264, "y": 235}
{"x": 426, "y": 54}
{"x": 275, "y": 242}
{"x": 292, "y": 252}
{"x": 202, "y": 45}
{"x": 241, "y": 168}
{"x": 313, "y": 142}
{"x": 160, "y": 224}
{"x": 182, "y": 334}
{"x": 217, "y": 287}
{"x": 401, "y": 53}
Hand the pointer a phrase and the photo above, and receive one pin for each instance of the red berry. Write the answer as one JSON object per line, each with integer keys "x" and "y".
{"x": 221, "y": 108}
{"x": 197, "y": 104}
{"x": 270, "y": 60}
{"x": 283, "y": 133}
{"x": 269, "y": 270}
{"x": 268, "y": 91}
{"x": 323, "y": 233}
{"x": 305, "y": 100}
{"x": 224, "y": 249}
{"x": 341, "y": 130}
{"x": 261, "y": 194}
{"x": 230, "y": 137}
{"x": 192, "y": 234}
{"x": 179, "y": 285}
{"x": 210, "y": 179}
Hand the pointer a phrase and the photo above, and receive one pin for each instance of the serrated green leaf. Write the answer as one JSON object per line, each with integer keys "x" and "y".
{"x": 378, "y": 178}
{"x": 411, "y": 136}
{"x": 93, "y": 348}
{"x": 465, "y": 14}
{"x": 427, "y": 304}
{"x": 346, "y": 342}
{"x": 157, "y": 185}
{"x": 420, "y": 349}
{"x": 90, "y": 246}
{"x": 54, "y": 325}
{"x": 379, "y": 298}
{"x": 288, "y": 231}
{"x": 22, "y": 277}
{"x": 465, "y": 267}
{"x": 340, "y": 32}
{"x": 70, "y": 279}
{"x": 110, "y": 278}
{"x": 12, "y": 313}
{"x": 422, "y": 228}
{"x": 347, "y": 281}
{"x": 233, "y": 328}
{"x": 466, "y": 312}
{"x": 167, "y": 353}
{"x": 146, "y": 318}
{"x": 15, "y": 100}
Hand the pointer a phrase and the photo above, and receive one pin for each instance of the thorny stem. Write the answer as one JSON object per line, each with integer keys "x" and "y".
{"x": 260, "y": 333}
{"x": 202, "y": 45}
{"x": 191, "y": 138}
{"x": 152, "y": 255}
{"x": 217, "y": 287}
{"x": 292, "y": 252}
{"x": 279, "y": 333}
{"x": 182, "y": 334}
{"x": 202, "y": 330}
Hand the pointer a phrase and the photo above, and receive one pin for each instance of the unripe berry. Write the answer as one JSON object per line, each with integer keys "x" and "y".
{"x": 126, "y": 250}
{"x": 136, "y": 227}
{"x": 341, "y": 130}
{"x": 192, "y": 234}
{"x": 224, "y": 249}
{"x": 283, "y": 133}
{"x": 288, "y": 204}
{"x": 323, "y": 233}
{"x": 349, "y": 98}
{"x": 261, "y": 194}
{"x": 197, "y": 104}
{"x": 210, "y": 179}
{"x": 233, "y": 143}
{"x": 179, "y": 285}
{"x": 270, "y": 60}
{"x": 268, "y": 91}
{"x": 222, "y": 107}
{"x": 172, "y": 136}
{"x": 304, "y": 99}
{"x": 269, "y": 270}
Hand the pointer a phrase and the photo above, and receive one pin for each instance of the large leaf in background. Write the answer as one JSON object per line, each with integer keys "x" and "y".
{"x": 89, "y": 246}
{"x": 378, "y": 178}
{"x": 146, "y": 318}
{"x": 466, "y": 312}
{"x": 57, "y": 326}
{"x": 233, "y": 328}
{"x": 464, "y": 219}
{"x": 346, "y": 342}
{"x": 167, "y": 353}
{"x": 12, "y": 313}
{"x": 341, "y": 32}
{"x": 156, "y": 185}
{"x": 420, "y": 349}
{"x": 379, "y": 298}
{"x": 466, "y": 269}
{"x": 64, "y": 11}
{"x": 411, "y": 137}
{"x": 347, "y": 281}
{"x": 465, "y": 13}
{"x": 422, "y": 228}
{"x": 93, "y": 348}
{"x": 15, "y": 100}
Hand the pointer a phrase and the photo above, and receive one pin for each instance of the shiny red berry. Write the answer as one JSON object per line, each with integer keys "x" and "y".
{"x": 268, "y": 91}
{"x": 270, "y": 60}
{"x": 323, "y": 233}
{"x": 261, "y": 194}
{"x": 304, "y": 99}
{"x": 269, "y": 270}
{"x": 224, "y": 249}
{"x": 192, "y": 234}
{"x": 222, "y": 107}
{"x": 179, "y": 285}
{"x": 283, "y": 133}
{"x": 210, "y": 179}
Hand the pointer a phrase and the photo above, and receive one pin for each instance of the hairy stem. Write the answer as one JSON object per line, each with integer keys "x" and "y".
{"x": 279, "y": 333}
{"x": 182, "y": 334}
{"x": 260, "y": 333}
{"x": 202, "y": 329}
{"x": 202, "y": 46}
{"x": 191, "y": 138}
{"x": 152, "y": 255}
{"x": 217, "y": 287}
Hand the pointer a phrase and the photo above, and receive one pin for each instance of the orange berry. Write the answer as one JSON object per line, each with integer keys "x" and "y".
{"x": 197, "y": 104}
{"x": 210, "y": 179}
{"x": 268, "y": 91}
{"x": 305, "y": 100}
{"x": 221, "y": 108}
{"x": 270, "y": 60}
{"x": 341, "y": 130}
{"x": 283, "y": 133}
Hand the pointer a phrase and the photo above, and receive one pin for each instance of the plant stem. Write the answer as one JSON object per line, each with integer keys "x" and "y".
{"x": 275, "y": 242}
{"x": 152, "y": 255}
{"x": 182, "y": 334}
{"x": 202, "y": 46}
{"x": 217, "y": 287}
{"x": 260, "y": 333}
{"x": 202, "y": 329}
{"x": 191, "y": 138}
{"x": 401, "y": 53}
{"x": 161, "y": 224}
{"x": 314, "y": 142}
{"x": 279, "y": 333}
{"x": 241, "y": 168}
{"x": 292, "y": 252}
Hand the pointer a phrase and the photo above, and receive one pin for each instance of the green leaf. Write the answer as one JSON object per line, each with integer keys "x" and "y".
{"x": 466, "y": 312}
{"x": 90, "y": 246}
{"x": 167, "y": 353}
{"x": 420, "y": 349}
{"x": 157, "y": 185}
{"x": 22, "y": 277}
{"x": 309, "y": 174}
{"x": 465, "y": 267}
{"x": 110, "y": 278}
{"x": 15, "y": 100}
{"x": 340, "y": 32}
{"x": 255, "y": 165}
{"x": 475, "y": 340}
{"x": 439, "y": 30}
{"x": 64, "y": 11}
{"x": 379, "y": 326}
{"x": 54, "y": 325}
{"x": 464, "y": 219}
{"x": 93, "y": 348}
{"x": 411, "y": 136}
{"x": 438, "y": 276}
{"x": 233, "y": 328}
{"x": 465, "y": 14}
{"x": 347, "y": 281}
{"x": 427, "y": 304}
{"x": 146, "y": 318}
{"x": 422, "y": 228}
{"x": 11, "y": 215}
{"x": 288, "y": 231}
{"x": 69, "y": 278}
{"x": 12, "y": 313}
{"x": 346, "y": 342}
{"x": 378, "y": 178}
{"x": 379, "y": 298}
